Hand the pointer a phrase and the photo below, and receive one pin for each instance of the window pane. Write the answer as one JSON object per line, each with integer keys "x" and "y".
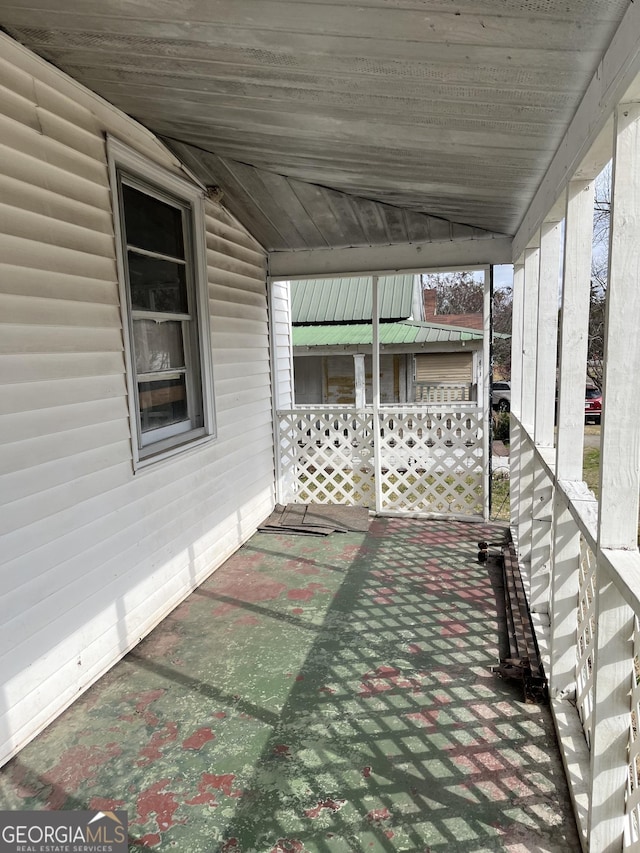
{"x": 157, "y": 285}
{"x": 152, "y": 224}
{"x": 158, "y": 346}
{"x": 162, "y": 403}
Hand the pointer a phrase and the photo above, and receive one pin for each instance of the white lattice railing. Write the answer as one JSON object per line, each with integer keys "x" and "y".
{"x": 605, "y": 587}
{"x": 428, "y": 460}
{"x": 432, "y": 460}
{"x": 632, "y": 828}
{"x": 585, "y": 638}
{"x": 326, "y": 456}
{"x": 444, "y": 392}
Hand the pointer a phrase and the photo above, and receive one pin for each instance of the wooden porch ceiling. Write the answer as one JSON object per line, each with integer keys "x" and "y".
{"x": 342, "y": 123}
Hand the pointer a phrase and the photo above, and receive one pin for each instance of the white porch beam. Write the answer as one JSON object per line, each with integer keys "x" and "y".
{"x": 408, "y": 257}
{"x": 574, "y": 329}
{"x": 613, "y": 78}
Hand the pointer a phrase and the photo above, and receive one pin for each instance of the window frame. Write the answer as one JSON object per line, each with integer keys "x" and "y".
{"x": 136, "y": 171}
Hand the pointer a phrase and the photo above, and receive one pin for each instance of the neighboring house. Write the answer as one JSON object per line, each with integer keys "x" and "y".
{"x": 419, "y": 361}
{"x": 432, "y": 315}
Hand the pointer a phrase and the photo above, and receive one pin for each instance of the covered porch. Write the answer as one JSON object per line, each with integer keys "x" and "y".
{"x": 308, "y": 139}
{"x": 318, "y": 695}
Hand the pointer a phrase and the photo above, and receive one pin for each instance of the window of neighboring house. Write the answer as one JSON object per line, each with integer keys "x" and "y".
{"x": 160, "y": 227}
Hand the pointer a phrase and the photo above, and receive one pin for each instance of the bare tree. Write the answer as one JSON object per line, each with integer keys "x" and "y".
{"x": 462, "y": 293}
{"x": 599, "y": 273}
{"x": 456, "y": 292}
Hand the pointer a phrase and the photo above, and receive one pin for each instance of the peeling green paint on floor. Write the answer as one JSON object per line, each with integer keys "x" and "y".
{"x": 316, "y": 696}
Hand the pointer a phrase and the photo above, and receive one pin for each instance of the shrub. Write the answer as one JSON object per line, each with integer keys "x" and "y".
{"x": 501, "y": 423}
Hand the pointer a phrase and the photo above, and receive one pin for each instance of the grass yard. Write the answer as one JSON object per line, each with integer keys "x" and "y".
{"x": 591, "y": 468}
{"x": 500, "y": 504}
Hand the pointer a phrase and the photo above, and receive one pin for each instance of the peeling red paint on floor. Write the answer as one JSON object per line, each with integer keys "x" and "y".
{"x": 153, "y": 750}
{"x": 452, "y": 629}
{"x": 77, "y": 768}
{"x": 378, "y": 815}
{"x": 330, "y": 804}
{"x": 198, "y": 739}
{"x": 251, "y": 590}
{"x": 386, "y": 678}
{"x": 143, "y": 701}
{"x": 247, "y": 621}
{"x": 307, "y": 593}
{"x": 158, "y": 804}
{"x": 279, "y": 705}
{"x": 210, "y": 782}
{"x": 105, "y": 804}
{"x": 287, "y": 845}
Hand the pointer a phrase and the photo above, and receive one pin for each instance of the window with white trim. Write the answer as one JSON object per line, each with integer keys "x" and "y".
{"x": 160, "y": 228}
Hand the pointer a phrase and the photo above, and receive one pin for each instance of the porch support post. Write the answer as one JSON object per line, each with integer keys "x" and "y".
{"x": 547, "y": 352}
{"x": 565, "y": 566}
{"x": 544, "y": 412}
{"x": 574, "y": 329}
{"x": 528, "y": 402}
{"x": 565, "y": 569}
{"x": 516, "y": 390}
{"x": 359, "y": 375}
{"x": 375, "y": 381}
{"x": 619, "y": 490}
{"x": 484, "y": 390}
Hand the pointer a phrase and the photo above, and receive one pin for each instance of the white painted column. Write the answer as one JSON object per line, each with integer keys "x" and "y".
{"x": 571, "y": 381}
{"x": 282, "y": 379}
{"x": 546, "y": 355}
{"x": 483, "y": 385}
{"x": 375, "y": 382}
{"x": 619, "y": 490}
{"x": 547, "y": 350}
{"x": 574, "y": 329}
{"x": 360, "y": 383}
{"x": 516, "y": 390}
{"x": 528, "y": 402}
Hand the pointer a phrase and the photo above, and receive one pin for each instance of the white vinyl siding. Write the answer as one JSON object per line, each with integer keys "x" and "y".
{"x": 92, "y": 555}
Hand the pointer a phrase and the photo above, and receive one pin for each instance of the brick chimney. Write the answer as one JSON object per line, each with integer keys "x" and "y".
{"x": 429, "y": 301}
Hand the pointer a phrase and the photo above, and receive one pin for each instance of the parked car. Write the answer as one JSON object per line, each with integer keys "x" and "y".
{"x": 501, "y": 396}
{"x": 592, "y": 405}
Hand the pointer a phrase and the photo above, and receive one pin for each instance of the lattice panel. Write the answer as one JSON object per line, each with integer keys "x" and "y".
{"x": 586, "y": 638}
{"x": 327, "y": 457}
{"x": 632, "y": 827}
{"x": 432, "y": 461}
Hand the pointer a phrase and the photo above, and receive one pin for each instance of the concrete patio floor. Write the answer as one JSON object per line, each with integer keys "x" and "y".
{"x": 317, "y": 696}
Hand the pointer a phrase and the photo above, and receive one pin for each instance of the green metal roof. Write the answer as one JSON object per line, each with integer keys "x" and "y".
{"x": 355, "y": 334}
{"x": 348, "y": 300}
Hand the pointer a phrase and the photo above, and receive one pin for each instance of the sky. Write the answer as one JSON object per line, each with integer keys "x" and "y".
{"x": 503, "y": 275}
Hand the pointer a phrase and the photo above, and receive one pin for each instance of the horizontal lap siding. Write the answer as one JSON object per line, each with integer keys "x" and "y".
{"x": 92, "y": 555}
